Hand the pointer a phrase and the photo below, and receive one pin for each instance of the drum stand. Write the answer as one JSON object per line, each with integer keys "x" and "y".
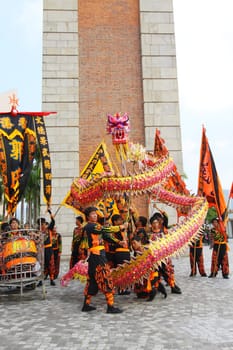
{"x": 21, "y": 268}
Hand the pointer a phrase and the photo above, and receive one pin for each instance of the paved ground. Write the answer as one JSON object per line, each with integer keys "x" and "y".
{"x": 200, "y": 318}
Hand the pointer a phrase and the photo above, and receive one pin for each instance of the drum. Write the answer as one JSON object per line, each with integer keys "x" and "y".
{"x": 19, "y": 251}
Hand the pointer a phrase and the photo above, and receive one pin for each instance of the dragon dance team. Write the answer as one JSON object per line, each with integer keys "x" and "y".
{"x": 106, "y": 245}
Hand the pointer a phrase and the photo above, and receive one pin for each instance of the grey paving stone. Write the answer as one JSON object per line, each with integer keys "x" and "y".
{"x": 200, "y": 318}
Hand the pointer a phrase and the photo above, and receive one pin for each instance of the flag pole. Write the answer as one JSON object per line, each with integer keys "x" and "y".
{"x": 228, "y": 202}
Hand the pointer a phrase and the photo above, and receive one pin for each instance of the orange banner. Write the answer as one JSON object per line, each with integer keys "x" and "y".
{"x": 209, "y": 185}
{"x": 175, "y": 183}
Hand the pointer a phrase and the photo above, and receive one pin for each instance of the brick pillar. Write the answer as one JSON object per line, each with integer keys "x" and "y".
{"x": 99, "y": 57}
{"x": 110, "y": 70}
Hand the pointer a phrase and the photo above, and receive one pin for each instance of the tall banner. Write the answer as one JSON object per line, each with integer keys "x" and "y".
{"x": 209, "y": 185}
{"x": 45, "y": 157}
{"x": 175, "y": 182}
{"x": 19, "y": 134}
{"x": 17, "y": 150}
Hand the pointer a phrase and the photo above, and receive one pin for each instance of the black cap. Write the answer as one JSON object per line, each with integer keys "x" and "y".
{"x": 88, "y": 210}
{"x": 80, "y": 218}
{"x": 41, "y": 221}
{"x": 215, "y": 219}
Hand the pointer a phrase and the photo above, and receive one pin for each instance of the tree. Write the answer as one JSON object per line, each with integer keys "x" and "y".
{"x": 211, "y": 214}
{"x": 32, "y": 191}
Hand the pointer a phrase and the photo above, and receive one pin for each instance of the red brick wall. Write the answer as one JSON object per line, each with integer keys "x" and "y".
{"x": 110, "y": 70}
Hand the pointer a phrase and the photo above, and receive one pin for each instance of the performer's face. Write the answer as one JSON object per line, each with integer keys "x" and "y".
{"x": 215, "y": 223}
{"x": 124, "y": 214}
{"x": 136, "y": 245}
{"x": 78, "y": 222}
{"x": 119, "y": 221}
{"x": 138, "y": 223}
{"x": 92, "y": 217}
{"x": 155, "y": 225}
{"x": 14, "y": 225}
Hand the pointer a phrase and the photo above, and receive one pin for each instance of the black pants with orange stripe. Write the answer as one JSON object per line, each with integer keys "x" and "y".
{"x": 99, "y": 275}
{"x": 121, "y": 257}
{"x": 49, "y": 266}
{"x": 196, "y": 260}
{"x": 167, "y": 272}
{"x": 220, "y": 259}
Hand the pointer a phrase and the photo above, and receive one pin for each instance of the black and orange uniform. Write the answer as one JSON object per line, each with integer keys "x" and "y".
{"x": 141, "y": 230}
{"x": 142, "y": 233}
{"x": 166, "y": 270}
{"x": 129, "y": 216}
{"x": 121, "y": 253}
{"x": 57, "y": 250}
{"x": 75, "y": 246}
{"x": 110, "y": 253}
{"x": 49, "y": 266}
{"x": 196, "y": 258}
{"x": 149, "y": 286}
{"x": 220, "y": 253}
{"x": 99, "y": 274}
{"x": 108, "y": 246}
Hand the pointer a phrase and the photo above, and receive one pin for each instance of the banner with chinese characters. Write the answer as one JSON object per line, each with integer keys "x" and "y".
{"x": 17, "y": 150}
{"x": 45, "y": 157}
{"x": 98, "y": 164}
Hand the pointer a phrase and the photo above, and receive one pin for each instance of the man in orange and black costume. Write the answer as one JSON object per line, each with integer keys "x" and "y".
{"x": 99, "y": 274}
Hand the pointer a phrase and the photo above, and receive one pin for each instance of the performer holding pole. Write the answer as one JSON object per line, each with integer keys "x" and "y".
{"x": 220, "y": 248}
{"x": 46, "y": 229}
{"x": 196, "y": 258}
{"x": 99, "y": 274}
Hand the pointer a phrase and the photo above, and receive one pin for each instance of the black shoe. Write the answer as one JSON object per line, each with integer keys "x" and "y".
{"x": 225, "y": 276}
{"x": 52, "y": 283}
{"x": 113, "y": 310}
{"x": 39, "y": 284}
{"x": 87, "y": 308}
{"x": 204, "y": 275}
{"x": 162, "y": 290}
{"x": 176, "y": 289}
{"x": 142, "y": 295}
{"x": 192, "y": 274}
{"x": 152, "y": 295}
{"x": 212, "y": 275}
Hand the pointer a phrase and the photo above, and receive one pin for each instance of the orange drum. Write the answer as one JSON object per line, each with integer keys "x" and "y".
{"x": 19, "y": 251}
